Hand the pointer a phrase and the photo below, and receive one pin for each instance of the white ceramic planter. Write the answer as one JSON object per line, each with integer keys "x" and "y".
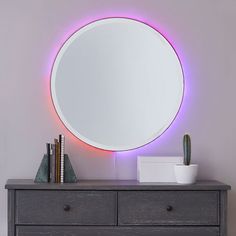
{"x": 186, "y": 174}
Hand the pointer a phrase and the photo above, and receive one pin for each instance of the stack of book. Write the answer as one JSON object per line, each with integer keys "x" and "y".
{"x": 55, "y": 159}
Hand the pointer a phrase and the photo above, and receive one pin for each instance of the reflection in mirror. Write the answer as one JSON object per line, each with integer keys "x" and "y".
{"x": 117, "y": 84}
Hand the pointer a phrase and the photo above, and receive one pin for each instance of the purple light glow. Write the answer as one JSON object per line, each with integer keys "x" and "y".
{"x": 166, "y": 135}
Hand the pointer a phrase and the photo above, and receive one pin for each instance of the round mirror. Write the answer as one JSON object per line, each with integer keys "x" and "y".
{"x": 117, "y": 84}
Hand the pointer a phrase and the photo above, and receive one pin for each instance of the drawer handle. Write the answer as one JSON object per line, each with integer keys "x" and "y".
{"x": 66, "y": 207}
{"x": 169, "y": 208}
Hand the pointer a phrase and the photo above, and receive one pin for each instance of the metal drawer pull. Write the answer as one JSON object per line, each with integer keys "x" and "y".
{"x": 66, "y": 207}
{"x": 169, "y": 208}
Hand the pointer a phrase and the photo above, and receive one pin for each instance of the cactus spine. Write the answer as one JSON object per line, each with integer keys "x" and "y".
{"x": 187, "y": 149}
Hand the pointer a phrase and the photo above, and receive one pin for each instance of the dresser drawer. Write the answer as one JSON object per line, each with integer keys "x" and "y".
{"x": 115, "y": 231}
{"x": 168, "y": 208}
{"x": 65, "y": 207}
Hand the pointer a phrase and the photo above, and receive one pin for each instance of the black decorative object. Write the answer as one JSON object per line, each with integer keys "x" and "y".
{"x": 42, "y": 174}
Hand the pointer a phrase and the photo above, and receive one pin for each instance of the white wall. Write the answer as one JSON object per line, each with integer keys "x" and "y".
{"x": 204, "y": 34}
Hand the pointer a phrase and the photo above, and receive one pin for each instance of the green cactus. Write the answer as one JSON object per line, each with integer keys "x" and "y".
{"x": 187, "y": 149}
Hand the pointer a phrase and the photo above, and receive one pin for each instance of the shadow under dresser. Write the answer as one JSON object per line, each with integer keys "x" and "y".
{"x": 116, "y": 208}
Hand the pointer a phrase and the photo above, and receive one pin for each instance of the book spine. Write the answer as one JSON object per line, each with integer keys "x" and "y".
{"x": 62, "y": 152}
{"x": 52, "y": 164}
{"x": 55, "y": 143}
{"x": 48, "y": 159}
{"x": 57, "y": 164}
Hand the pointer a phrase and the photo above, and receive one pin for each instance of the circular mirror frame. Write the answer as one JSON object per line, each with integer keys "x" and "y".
{"x": 60, "y": 114}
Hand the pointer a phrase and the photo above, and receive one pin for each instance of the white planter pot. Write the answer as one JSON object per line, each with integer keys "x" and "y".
{"x": 186, "y": 174}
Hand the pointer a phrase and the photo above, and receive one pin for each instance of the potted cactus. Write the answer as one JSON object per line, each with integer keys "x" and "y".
{"x": 186, "y": 173}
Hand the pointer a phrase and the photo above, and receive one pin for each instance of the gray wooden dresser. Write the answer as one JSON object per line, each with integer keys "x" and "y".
{"x": 116, "y": 208}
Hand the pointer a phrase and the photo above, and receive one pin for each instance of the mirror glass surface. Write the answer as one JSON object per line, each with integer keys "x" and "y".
{"x": 117, "y": 84}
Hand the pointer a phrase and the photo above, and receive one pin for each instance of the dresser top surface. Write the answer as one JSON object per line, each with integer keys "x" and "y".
{"x": 113, "y": 185}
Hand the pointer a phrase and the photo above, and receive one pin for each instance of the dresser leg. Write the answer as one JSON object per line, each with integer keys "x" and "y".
{"x": 11, "y": 212}
{"x": 223, "y": 213}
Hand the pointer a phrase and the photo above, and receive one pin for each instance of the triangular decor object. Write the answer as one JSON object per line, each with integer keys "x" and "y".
{"x": 70, "y": 176}
{"x": 42, "y": 174}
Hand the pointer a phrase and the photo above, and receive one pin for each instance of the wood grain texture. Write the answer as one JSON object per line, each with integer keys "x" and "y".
{"x": 47, "y": 207}
{"x": 116, "y": 208}
{"x": 150, "y": 208}
{"x": 114, "y": 185}
{"x": 116, "y": 231}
